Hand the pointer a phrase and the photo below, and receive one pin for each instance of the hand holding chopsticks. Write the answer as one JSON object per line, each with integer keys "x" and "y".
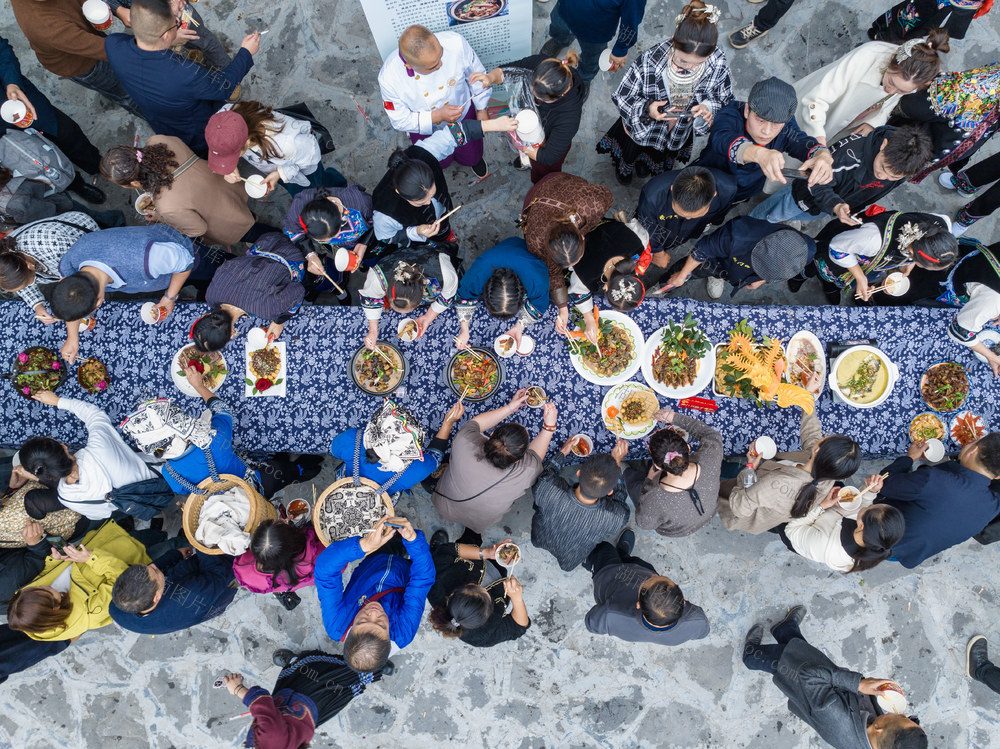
{"x": 469, "y": 349}
{"x": 873, "y": 484}
{"x": 883, "y": 287}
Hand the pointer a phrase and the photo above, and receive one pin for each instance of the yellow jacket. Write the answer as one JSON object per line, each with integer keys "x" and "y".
{"x": 112, "y": 551}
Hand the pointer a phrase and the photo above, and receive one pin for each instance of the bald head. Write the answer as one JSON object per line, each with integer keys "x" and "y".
{"x": 420, "y": 49}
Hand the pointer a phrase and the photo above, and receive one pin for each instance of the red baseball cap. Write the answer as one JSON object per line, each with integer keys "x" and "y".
{"x": 226, "y": 134}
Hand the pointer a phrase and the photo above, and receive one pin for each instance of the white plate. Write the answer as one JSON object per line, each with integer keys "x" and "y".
{"x": 279, "y": 390}
{"x": 181, "y": 381}
{"x": 980, "y": 422}
{"x": 988, "y": 338}
{"x": 614, "y": 397}
{"x": 639, "y": 343}
{"x": 512, "y": 351}
{"x": 805, "y": 335}
{"x": 706, "y": 369}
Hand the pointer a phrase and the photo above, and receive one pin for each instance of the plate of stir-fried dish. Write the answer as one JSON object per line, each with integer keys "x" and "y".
{"x": 679, "y": 360}
{"x": 474, "y": 374}
{"x": 617, "y": 355}
{"x": 378, "y": 371}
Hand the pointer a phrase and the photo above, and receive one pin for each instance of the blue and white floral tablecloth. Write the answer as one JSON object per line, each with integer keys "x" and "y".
{"x": 323, "y": 401}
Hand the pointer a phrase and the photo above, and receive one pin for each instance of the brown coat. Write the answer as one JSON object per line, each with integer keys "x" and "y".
{"x": 200, "y": 203}
{"x": 588, "y": 201}
{"x": 63, "y": 40}
{"x": 768, "y": 503}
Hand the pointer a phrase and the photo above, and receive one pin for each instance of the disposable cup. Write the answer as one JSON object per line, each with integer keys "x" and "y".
{"x": 891, "y": 699}
{"x": 88, "y": 323}
{"x": 604, "y": 61}
{"x": 16, "y": 113}
{"x": 501, "y": 550}
{"x": 298, "y": 511}
{"x": 849, "y": 498}
{"x": 256, "y": 339}
{"x": 763, "y": 448}
{"x": 896, "y": 284}
{"x": 345, "y": 260}
{"x": 581, "y": 441}
{"x": 934, "y": 453}
{"x": 526, "y": 346}
{"x": 256, "y": 187}
{"x": 504, "y": 349}
{"x": 151, "y": 313}
{"x": 142, "y": 203}
{"x": 98, "y": 13}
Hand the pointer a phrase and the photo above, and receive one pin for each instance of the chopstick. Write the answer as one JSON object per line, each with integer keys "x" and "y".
{"x": 462, "y": 397}
{"x": 381, "y": 353}
{"x": 442, "y": 218}
{"x": 333, "y": 282}
{"x": 469, "y": 350}
{"x": 868, "y": 487}
{"x": 883, "y": 287}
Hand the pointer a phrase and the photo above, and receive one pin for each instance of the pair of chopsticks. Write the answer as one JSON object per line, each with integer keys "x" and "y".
{"x": 381, "y": 353}
{"x": 476, "y": 355}
{"x": 883, "y": 287}
{"x": 868, "y": 487}
{"x": 442, "y": 218}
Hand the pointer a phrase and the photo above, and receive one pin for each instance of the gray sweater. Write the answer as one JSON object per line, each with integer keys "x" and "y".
{"x": 676, "y": 513}
{"x": 566, "y": 527}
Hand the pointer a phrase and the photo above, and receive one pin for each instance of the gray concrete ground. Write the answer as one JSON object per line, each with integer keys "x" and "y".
{"x": 559, "y": 685}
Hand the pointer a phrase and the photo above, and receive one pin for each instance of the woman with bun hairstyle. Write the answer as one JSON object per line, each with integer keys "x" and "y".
{"x": 472, "y": 593}
{"x": 666, "y": 96}
{"x": 553, "y": 90}
{"x": 680, "y": 492}
{"x": 856, "y": 93}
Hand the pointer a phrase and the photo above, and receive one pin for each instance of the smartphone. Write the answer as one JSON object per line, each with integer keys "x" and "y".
{"x": 392, "y": 525}
{"x": 56, "y": 542}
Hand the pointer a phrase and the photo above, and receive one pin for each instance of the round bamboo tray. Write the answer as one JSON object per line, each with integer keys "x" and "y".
{"x": 352, "y": 520}
{"x": 260, "y": 508}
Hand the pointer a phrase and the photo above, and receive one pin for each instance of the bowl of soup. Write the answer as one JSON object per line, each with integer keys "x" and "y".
{"x": 863, "y": 376}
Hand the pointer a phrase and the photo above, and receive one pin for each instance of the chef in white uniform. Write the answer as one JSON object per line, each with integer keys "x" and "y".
{"x": 426, "y": 83}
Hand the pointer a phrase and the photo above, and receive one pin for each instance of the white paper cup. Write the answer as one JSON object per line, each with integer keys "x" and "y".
{"x": 256, "y": 187}
{"x": 98, "y": 13}
{"x": 764, "y": 448}
{"x": 410, "y": 336}
{"x": 855, "y": 498}
{"x": 499, "y": 344}
{"x": 151, "y": 313}
{"x": 142, "y": 203}
{"x": 935, "y": 450}
{"x": 526, "y": 346}
{"x": 509, "y": 566}
{"x": 604, "y": 62}
{"x": 529, "y": 128}
{"x": 545, "y": 396}
{"x": 88, "y": 323}
{"x": 256, "y": 339}
{"x": 585, "y": 440}
{"x": 891, "y": 699}
{"x": 15, "y": 113}
{"x": 897, "y": 284}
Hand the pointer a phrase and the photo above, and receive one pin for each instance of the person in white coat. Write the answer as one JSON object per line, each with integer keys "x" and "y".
{"x": 425, "y": 85}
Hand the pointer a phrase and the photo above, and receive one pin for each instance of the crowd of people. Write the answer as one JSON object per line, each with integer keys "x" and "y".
{"x": 831, "y": 145}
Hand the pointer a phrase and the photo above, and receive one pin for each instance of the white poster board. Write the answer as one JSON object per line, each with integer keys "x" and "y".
{"x": 501, "y": 33}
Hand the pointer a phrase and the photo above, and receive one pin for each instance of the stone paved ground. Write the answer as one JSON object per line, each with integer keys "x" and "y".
{"x": 558, "y": 686}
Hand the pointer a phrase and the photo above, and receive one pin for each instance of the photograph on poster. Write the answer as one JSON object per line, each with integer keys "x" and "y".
{"x": 467, "y": 11}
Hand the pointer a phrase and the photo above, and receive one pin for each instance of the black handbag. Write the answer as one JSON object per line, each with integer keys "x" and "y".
{"x": 302, "y": 112}
{"x": 143, "y": 499}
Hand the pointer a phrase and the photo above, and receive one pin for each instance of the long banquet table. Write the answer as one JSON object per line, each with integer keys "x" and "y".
{"x": 322, "y": 400}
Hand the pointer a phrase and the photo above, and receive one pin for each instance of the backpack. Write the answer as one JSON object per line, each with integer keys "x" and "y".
{"x": 30, "y": 155}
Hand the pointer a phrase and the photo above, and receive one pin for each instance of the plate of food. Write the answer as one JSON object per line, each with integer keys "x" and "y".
{"x": 991, "y": 340}
{"x": 536, "y": 397}
{"x": 36, "y": 369}
{"x": 93, "y": 376}
{"x": 505, "y": 346}
{"x": 210, "y": 365}
{"x": 266, "y": 370}
{"x": 380, "y": 371}
{"x": 408, "y": 330}
{"x": 926, "y": 426}
{"x": 618, "y": 354}
{"x": 966, "y": 428}
{"x": 466, "y": 11}
{"x": 945, "y": 386}
{"x": 474, "y": 373}
{"x": 679, "y": 360}
{"x": 805, "y": 358}
{"x": 628, "y": 410}
{"x": 863, "y": 376}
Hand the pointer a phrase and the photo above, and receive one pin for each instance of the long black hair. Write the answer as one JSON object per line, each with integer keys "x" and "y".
{"x": 277, "y": 548}
{"x": 412, "y": 178}
{"x": 883, "y": 528}
{"x": 15, "y": 268}
{"x": 47, "y": 459}
{"x": 321, "y": 218}
{"x": 469, "y": 607}
{"x": 837, "y": 458}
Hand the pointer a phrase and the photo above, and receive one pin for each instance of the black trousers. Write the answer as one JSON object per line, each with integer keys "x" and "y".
{"x": 980, "y": 175}
{"x": 766, "y": 657}
{"x": 768, "y": 16}
{"x": 605, "y": 555}
{"x": 280, "y": 471}
{"x": 72, "y": 142}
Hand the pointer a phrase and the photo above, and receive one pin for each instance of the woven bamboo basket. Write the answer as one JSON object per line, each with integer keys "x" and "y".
{"x": 260, "y": 508}
{"x": 320, "y": 523}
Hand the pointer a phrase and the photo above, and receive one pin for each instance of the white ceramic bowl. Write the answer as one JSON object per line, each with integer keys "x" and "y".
{"x": 854, "y": 504}
{"x": 500, "y": 339}
{"x": 893, "y": 371}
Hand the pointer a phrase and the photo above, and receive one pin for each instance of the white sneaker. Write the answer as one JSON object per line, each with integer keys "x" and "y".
{"x": 715, "y": 287}
{"x": 958, "y": 229}
{"x": 946, "y": 180}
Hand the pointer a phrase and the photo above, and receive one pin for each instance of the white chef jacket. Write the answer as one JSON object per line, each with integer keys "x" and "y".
{"x": 409, "y": 97}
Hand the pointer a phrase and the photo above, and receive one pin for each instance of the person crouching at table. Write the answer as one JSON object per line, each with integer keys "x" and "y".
{"x": 265, "y": 283}
{"x": 746, "y": 252}
{"x": 129, "y": 260}
{"x": 72, "y": 594}
{"x": 391, "y": 449}
{"x": 614, "y": 265}
{"x": 471, "y": 593}
{"x": 403, "y": 282}
{"x": 383, "y": 602}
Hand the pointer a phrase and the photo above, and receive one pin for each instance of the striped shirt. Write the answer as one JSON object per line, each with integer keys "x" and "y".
{"x": 260, "y": 286}
{"x": 45, "y": 242}
{"x": 567, "y": 528}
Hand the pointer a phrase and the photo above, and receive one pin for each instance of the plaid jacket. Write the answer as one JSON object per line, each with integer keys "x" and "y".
{"x": 646, "y": 82}
{"x": 45, "y": 242}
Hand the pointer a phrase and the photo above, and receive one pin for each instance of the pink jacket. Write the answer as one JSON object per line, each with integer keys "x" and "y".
{"x": 245, "y": 568}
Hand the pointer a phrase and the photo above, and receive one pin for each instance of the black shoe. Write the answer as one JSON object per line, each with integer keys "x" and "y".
{"x": 641, "y": 170}
{"x": 516, "y": 163}
{"x": 794, "y": 284}
{"x": 93, "y": 195}
{"x": 481, "y": 169}
{"x": 439, "y": 537}
{"x": 625, "y": 543}
{"x": 282, "y": 658}
{"x": 623, "y": 180}
{"x": 551, "y": 48}
{"x": 976, "y": 655}
{"x": 795, "y": 614}
{"x": 289, "y": 599}
{"x": 753, "y": 638}
{"x": 345, "y": 299}
{"x": 388, "y": 669}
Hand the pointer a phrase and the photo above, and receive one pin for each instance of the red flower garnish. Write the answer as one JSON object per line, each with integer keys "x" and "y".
{"x": 197, "y": 365}
{"x": 263, "y": 384}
